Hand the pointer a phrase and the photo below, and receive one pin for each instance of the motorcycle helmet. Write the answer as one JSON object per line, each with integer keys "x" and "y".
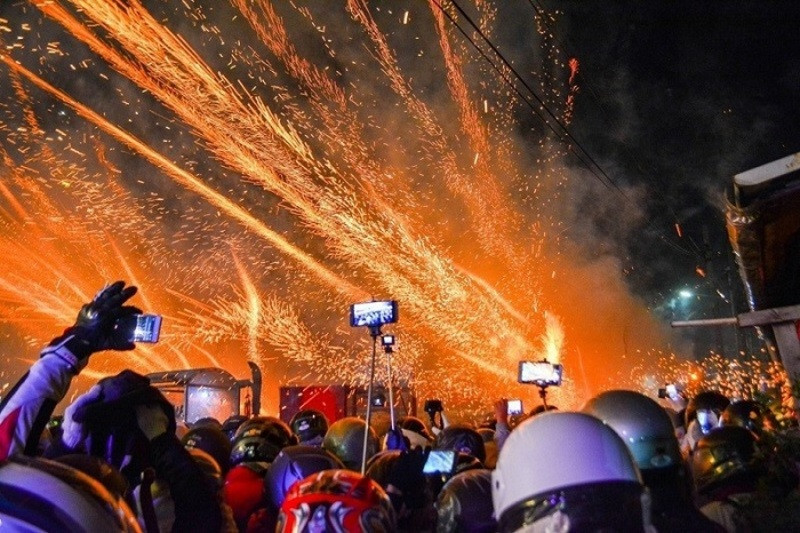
{"x": 212, "y": 441}
{"x": 465, "y": 504}
{"x": 345, "y": 440}
{"x": 293, "y": 464}
{"x": 750, "y": 415}
{"x": 338, "y": 501}
{"x": 309, "y": 425}
{"x": 568, "y": 469}
{"x": 463, "y": 439}
{"x": 261, "y": 439}
{"x": 43, "y": 495}
{"x": 644, "y": 426}
{"x": 706, "y": 408}
{"x": 231, "y": 425}
{"x": 725, "y": 456}
{"x": 243, "y": 490}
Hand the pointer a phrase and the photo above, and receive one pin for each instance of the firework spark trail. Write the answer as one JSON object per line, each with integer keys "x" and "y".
{"x": 365, "y": 239}
{"x": 253, "y": 310}
{"x": 192, "y": 183}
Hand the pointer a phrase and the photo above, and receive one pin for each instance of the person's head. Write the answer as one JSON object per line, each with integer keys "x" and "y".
{"x": 706, "y": 408}
{"x": 345, "y": 440}
{"x": 724, "y": 459}
{"x": 260, "y": 439}
{"x": 464, "y": 504}
{"x": 310, "y": 426}
{"x": 568, "y": 472}
{"x": 42, "y": 495}
{"x": 462, "y": 438}
{"x": 336, "y": 500}
{"x": 415, "y": 431}
{"x": 231, "y": 425}
{"x": 103, "y": 422}
{"x": 207, "y": 421}
{"x": 749, "y": 414}
{"x": 213, "y": 441}
{"x": 293, "y": 464}
{"x": 243, "y": 490}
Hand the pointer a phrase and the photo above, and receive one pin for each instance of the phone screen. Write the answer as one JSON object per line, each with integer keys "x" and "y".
{"x": 145, "y": 328}
{"x": 514, "y": 407}
{"x": 440, "y": 462}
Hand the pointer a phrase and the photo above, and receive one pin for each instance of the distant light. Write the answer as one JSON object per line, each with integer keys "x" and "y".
{"x": 685, "y": 293}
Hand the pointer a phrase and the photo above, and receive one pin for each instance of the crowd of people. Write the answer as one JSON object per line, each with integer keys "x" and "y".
{"x": 117, "y": 460}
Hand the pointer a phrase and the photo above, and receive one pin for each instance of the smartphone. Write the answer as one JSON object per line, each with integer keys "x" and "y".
{"x": 141, "y": 328}
{"x": 372, "y": 314}
{"x": 541, "y": 373}
{"x": 514, "y": 407}
{"x": 440, "y": 462}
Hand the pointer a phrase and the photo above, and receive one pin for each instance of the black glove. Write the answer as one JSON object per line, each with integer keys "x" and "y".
{"x": 407, "y": 476}
{"x": 96, "y": 328}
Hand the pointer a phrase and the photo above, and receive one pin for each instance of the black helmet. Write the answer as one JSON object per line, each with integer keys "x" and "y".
{"x": 345, "y": 440}
{"x": 231, "y": 424}
{"x": 293, "y": 464}
{"x": 412, "y": 423}
{"x": 261, "y": 439}
{"x": 465, "y": 503}
{"x": 462, "y": 438}
{"x": 724, "y": 456}
{"x": 706, "y": 401}
{"x": 213, "y": 441}
{"x": 748, "y": 414}
{"x": 309, "y": 424}
{"x": 207, "y": 421}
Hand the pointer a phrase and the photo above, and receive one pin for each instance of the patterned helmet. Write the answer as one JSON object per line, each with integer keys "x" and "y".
{"x": 261, "y": 439}
{"x": 293, "y": 464}
{"x": 309, "y": 424}
{"x": 338, "y": 501}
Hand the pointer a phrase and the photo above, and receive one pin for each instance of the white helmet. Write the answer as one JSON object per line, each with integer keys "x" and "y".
{"x": 569, "y": 468}
{"x": 643, "y": 424}
{"x": 41, "y": 495}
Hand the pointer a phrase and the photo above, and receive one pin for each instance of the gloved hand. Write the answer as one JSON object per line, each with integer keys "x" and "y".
{"x": 96, "y": 328}
{"x": 152, "y": 420}
{"x": 407, "y": 476}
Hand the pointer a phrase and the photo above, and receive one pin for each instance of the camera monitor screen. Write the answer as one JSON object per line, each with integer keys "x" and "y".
{"x": 540, "y": 373}
{"x": 440, "y": 462}
{"x": 373, "y": 314}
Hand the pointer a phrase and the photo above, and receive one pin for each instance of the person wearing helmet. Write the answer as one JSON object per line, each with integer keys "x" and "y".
{"x": 464, "y": 504}
{"x": 213, "y": 441}
{"x": 43, "y": 495}
{"x": 726, "y": 472}
{"x": 310, "y": 427}
{"x": 231, "y": 425}
{"x": 345, "y": 440}
{"x": 702, "y": 414}
{"x": 415, "y": 431}
{"x": 400, "y": 474}
{"x": 243, "y": 490}
{"x": 751, "y": 415}
{"x": 293, "y": 464}
{"x": 261, "y": 439}
{"x": 462, "y": 438}
{"x": 336, "y": 501}
{"x": 647, "y": 431}
{"x": 122, "y": 419}
{"x": 565, "y": 471}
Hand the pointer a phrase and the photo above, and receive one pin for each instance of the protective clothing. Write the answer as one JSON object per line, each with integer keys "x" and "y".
{"x": 337, "y": 501}
{"x": 465, "y": 504}
{"x": 261, "y": 439}
{"x": 345, "y": 440}
{"x": 724, "y": 456}
{"x": 309, "y": 425}
{"x": 570, "y": 472}
{"x": 243, "y": 490}
{"x": 43, "y": 495}
{"x": 462, "y": 439}
{"x": 644, "y": 426}
{"x": 293, "y": 464}
{"x": 212, "y": 441}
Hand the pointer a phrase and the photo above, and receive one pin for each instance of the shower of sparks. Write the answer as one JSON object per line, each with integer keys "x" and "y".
{"x": 273, "y": 183}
